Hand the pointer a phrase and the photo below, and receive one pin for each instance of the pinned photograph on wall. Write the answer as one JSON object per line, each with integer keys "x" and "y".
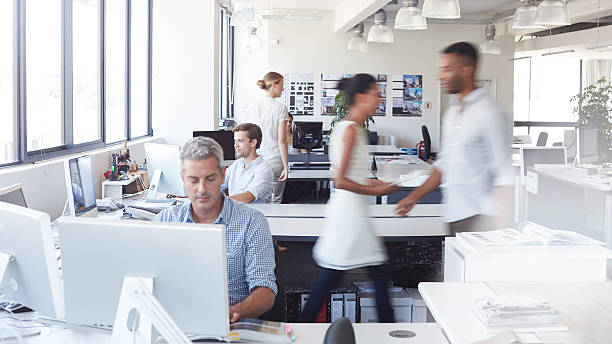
{"x": 381, "y": 81}
{"x": 299, "y": 94}
{"x": 329, "y": 90}
{"x": 407, "y": 95}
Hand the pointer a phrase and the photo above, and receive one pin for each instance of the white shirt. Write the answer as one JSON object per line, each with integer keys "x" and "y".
{"x": 267, "y": 114}
{"x": 475, "y": 156}
{"x": 255, "y": 178}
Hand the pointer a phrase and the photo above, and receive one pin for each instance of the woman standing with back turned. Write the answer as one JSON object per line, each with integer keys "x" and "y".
{"x": 271, "y": 116}
{"x": 348, "y": 240}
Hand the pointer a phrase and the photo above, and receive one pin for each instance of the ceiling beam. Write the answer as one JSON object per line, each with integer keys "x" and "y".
{"x": 351, "y": 12}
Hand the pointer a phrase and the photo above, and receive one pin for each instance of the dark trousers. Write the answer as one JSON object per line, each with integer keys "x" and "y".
{"x": 329, "y": 279}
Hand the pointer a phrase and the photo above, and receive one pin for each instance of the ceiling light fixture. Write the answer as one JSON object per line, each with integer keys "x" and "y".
{"x": 525, "y": 17}
{"x": 410, "y": 17}
{"x": 552, "y": 12}
{"x": 357, "y": 41}
{"x": 253, "y": 40}
{"x": 441, "y": 9}
{"x": 490, "y": 44}
{"x": 380, "y": 32}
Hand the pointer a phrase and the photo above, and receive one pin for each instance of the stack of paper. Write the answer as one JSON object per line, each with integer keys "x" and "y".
{"x": 515, "y": 312}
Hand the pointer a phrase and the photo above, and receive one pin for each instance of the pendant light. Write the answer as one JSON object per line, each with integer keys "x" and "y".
{"x": 410, "y": 17}
{"x": 442, "y": 9}
{"x": 552, "y": 12}
{"x": 525, "y": 17}
{"x": 490, "y": 44}
{"x": 380, "y": 32}
{"x": 357, "y": 41}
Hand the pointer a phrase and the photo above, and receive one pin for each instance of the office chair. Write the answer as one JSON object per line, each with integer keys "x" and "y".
{"x": 426, "y": 142}
{"x": 542, "y": 138}
{"x": 340, "y": 332}
{"x": 373, "y": 138}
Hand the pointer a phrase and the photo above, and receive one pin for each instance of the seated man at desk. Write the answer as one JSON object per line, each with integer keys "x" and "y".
{"x": 248, "y": 179}
{"x": 250, "y": 253}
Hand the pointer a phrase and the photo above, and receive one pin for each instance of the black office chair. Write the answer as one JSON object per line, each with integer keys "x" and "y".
{"x": 340, "y": 332}
{"x": 426, "y": 141}
{"x": 542, "y": 138}
{"x": 372, "y": 138}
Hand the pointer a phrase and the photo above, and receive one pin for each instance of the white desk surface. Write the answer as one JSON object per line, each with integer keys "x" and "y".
{"x": 390, "y": 170}
{"x": 309, "y": 175}
{"x": 426, "y": 333}
{"x": 384, "y": 149}
{"x": 567, "y": 175}
{"x": 586, "y": 308}
{"x": 318, "y": 210}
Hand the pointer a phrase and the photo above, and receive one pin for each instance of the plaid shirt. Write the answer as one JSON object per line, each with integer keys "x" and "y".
{"x": 250, "y": 254}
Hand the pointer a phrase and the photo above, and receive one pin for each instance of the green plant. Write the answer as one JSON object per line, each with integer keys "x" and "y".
{"x": 340, "y": 111}
{"x": 594, "y": 110}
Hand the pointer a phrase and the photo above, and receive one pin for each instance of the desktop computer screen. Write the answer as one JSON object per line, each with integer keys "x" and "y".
{"x": 14, "y": 195}
{"x": 187, "y": 262}
{"x": 225, "y": 139}
{"x": 32, "y": 275}
{"x": 307, "y": 135}
{"x": 165, "y": 161}
{"x": 80, "y": 187}
{"x": 531, "y": 156}
{"x": 588, "y": 146}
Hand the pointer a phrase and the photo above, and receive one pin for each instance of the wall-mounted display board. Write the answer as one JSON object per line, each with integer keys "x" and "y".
{"x": 407, "y": 94}
{"x": 381, "y": 81}
{"x": 299, "y": 94}
{"x": 329, "y": 90}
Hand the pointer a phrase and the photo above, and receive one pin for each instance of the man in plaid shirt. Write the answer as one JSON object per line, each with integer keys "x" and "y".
{"x": 250, "y": 252}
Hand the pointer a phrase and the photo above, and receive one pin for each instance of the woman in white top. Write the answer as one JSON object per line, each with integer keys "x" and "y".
{"x": 348, "y": 239}
{"x": 271, "y": 116}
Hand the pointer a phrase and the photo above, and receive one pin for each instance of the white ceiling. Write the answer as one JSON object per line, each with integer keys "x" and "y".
{"x": 467, "y": 6}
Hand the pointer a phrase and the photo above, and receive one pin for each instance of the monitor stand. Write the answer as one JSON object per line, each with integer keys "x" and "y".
{"x": 140, "y": 315}
{"x": 13, "y": 332}
{"x": 153, "y": 187}
{"x": 307, "y": 165}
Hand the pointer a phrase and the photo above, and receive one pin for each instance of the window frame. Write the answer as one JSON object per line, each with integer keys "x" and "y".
{"x": 226, "y": 82}
{"x": 22, "y": 155}
{"x": 539, "y": 124}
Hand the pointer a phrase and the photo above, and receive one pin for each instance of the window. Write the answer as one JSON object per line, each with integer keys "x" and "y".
{"x": 116, "y": 69}
{"x": 7, "y": 138}
{"x": 226, "y": 104}
{"x": 543, "y": 87}
{"x": 43, "y": 74}
{"x": 85, "y": 61}
{"x": 84, "y": 73}
{"x": 139, "y": 68}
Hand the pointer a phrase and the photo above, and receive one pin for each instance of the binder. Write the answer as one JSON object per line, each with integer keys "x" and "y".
{"x": 350, "y": 306}
{"x": 337, "y": 306}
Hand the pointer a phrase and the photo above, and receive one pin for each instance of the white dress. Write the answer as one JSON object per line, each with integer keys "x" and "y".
{"x": 348, "y": 239}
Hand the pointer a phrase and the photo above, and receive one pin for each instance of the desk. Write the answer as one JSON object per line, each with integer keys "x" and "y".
{"x": 563, "y": 198}
{"x": 384, "y": 150}
{"x": 310, "y": 175}
{"x": 390, "y": 170}
{"x": 586, "y": 308}
{"x": 295, "y": 221}
{"x": 426, "y": 333}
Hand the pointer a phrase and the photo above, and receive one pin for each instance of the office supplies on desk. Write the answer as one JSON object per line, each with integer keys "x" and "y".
{"x": 527, "y": 233}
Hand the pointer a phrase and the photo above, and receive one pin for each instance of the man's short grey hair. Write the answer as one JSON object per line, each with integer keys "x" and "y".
{"x": 200, "y": 148}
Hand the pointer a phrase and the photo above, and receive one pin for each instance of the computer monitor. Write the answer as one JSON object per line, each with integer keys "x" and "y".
{"x": 588, "y": 146}
{"x": 225, "y": 139}
{"x": 186, "y": 260}
{"x": 570, "y": 143}
{"x": 531, "y": 156}
{"x": 164, "y": 169}
{"x": 80, "y": 187}
{"x": 308, "y": 135}
{"x": 27, "y": 251}
{"x": 14, "y": 195}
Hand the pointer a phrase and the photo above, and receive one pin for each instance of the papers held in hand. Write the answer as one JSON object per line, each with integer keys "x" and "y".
{"x": 409, "y": 177}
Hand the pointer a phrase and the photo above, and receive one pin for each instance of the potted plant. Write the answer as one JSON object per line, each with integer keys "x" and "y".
{"x": 594, "y": 110}
{"x": 340, "y": 110}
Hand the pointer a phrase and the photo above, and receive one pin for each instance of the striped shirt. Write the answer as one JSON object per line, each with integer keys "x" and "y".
{"x": 250, "y": 252}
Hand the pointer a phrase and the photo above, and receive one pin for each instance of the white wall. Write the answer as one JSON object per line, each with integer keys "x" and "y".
{"x": 44, "y": 183}
{"x": 313, "y": 47}
{"x": 185, "y": 68}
